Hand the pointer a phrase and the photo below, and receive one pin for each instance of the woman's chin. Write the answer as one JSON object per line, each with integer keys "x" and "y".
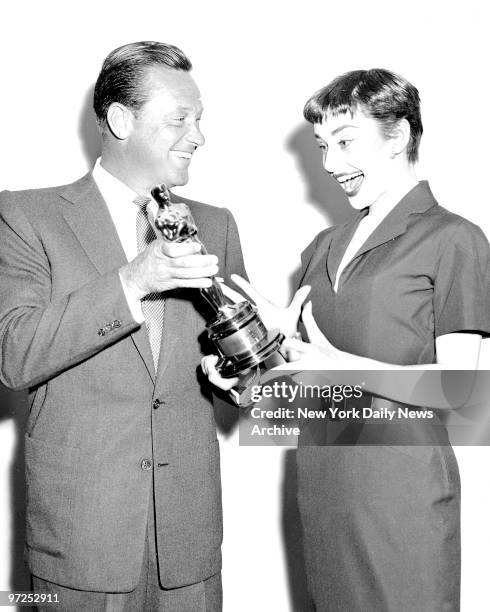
{"x": 357, "y": 201}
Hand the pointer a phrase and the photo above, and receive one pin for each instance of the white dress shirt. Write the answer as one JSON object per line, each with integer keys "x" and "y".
{"x": 120, "y": 202}
{"x": 119, "y": 199}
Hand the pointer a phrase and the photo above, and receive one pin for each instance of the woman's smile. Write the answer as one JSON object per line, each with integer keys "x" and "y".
{"x": 350, "y": 183}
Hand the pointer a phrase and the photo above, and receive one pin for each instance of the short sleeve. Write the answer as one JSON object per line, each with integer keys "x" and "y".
{"x": 309, "y": 257}
{"x": 462, "y": 282}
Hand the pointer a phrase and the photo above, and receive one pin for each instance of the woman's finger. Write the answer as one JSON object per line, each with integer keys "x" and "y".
{"x": 292, "y": 355}
{"x": 248, "y": 289}
{"x": 302, "y": 364}
{"x": 293, "y": 344}
{"x": 315, "y": 335}
{"x": 231, "y": 293}
{"x": 299, "y": 297}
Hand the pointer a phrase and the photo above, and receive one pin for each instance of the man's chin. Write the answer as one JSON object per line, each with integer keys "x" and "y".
{"x": 177, "y": 180}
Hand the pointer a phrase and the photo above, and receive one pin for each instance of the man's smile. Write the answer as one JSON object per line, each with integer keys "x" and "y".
{"x": 182, "y": 154}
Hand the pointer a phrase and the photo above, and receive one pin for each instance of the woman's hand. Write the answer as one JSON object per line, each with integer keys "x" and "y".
{"x": 318, "y": 353}
{"x": 273, "y": 317}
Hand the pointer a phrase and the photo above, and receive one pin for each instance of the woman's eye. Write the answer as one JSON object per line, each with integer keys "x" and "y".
{"x": 344, "y": 143}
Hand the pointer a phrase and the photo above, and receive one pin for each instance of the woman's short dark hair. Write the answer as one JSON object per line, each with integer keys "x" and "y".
{"x": 121, "y": 76}
{"x": 379, "y": 93}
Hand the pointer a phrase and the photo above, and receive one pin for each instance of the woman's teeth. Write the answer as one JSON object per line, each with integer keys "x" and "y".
{"x": 350, "y": 184}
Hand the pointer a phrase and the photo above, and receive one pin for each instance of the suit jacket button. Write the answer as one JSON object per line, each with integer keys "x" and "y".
{"x": 101, "y": 332}
{"x": 116, "y": 324}
{"x": 156, "y": 404}
{"x": 146, "y": 464}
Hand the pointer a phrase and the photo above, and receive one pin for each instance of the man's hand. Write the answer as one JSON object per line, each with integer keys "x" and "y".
{"x": 208, "y": 365}
{"x": 240, "y": 387}
{"x": 166, "y": 265}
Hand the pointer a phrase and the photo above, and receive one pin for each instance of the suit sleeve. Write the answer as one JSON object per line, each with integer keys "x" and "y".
{"x": 41, "y": 336}
{"x": 233, "y": 256}
{"x": 225, "y": 406}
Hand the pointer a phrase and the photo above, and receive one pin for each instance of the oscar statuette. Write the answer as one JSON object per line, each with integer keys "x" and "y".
{"x": 239, "y": 335}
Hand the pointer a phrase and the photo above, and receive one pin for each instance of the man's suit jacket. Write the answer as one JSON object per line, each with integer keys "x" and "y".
{"x": 98, "y": 413}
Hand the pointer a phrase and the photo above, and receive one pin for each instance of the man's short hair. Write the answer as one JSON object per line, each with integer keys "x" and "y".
{"x": 381, "y": 94}
{"x": 122, "y": 73}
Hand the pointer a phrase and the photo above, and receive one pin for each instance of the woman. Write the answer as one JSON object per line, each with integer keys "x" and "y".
{"x": 403, "y": 286}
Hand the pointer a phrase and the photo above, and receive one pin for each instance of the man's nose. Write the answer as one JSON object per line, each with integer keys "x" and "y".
{"x": 195, "y": 135}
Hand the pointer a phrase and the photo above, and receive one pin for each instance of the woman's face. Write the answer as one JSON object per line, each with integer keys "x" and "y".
{"x": 357, "y": 155}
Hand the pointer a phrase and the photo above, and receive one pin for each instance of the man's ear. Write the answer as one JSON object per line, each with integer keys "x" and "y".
{"x": 119, "y": 120}
{"x": 400, "y": 137}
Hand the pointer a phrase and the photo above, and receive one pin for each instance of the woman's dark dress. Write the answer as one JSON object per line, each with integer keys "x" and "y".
{"x": 382, "y": 523}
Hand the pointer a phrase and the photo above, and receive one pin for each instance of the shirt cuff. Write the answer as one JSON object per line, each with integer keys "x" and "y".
{"x": 134, "y": 303}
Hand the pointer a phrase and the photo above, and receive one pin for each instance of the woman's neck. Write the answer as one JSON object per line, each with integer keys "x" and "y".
{"x": 393, "y": 194}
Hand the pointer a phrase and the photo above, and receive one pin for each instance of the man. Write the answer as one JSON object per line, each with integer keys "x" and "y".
{"x": 124, "y": 499}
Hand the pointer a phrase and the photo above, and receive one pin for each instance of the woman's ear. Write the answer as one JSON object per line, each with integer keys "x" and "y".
{"x": 400, "y": 137}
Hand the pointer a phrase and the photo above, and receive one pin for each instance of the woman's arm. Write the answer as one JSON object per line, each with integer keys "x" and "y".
{"x": 456, "y": 351}
{"x": 319, "y": 362}
{"x": 420, "y": 384}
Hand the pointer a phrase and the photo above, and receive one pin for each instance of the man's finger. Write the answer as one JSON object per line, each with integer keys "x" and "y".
{"x": 177, "y": 272}
{"x": 208, "y": 362}
{"x": 193, "y": 261}
{"x": 178, "y": 249}
{"x": 222, "y": 383}
{"x": 208, "y": 365}
{"x": 189, "y": 283}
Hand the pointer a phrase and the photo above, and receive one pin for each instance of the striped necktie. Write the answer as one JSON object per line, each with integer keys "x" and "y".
{"x": 153, "y": 304}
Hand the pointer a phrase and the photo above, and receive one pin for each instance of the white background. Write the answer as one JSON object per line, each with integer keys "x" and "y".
{"x": 256, "y": 64}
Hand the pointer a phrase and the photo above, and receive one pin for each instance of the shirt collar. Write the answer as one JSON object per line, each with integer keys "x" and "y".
{"x": 112, "y": 189}
{"x": 418, "y": 200}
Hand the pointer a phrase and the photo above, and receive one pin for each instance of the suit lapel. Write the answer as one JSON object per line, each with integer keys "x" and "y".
{"x": 173, "y": 325}
{"x": 92, "y": 224}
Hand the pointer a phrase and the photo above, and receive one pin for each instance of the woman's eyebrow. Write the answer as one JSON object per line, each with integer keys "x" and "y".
{"x": 343, "y": 127}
